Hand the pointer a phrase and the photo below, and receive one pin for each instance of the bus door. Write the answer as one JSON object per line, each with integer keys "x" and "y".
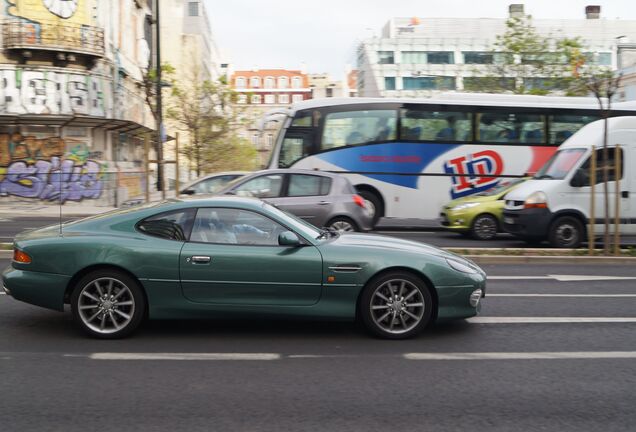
{"x": 297, "y": 144}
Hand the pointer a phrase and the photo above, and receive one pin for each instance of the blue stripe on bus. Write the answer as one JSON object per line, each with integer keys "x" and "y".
{"x": 390, "y": 157}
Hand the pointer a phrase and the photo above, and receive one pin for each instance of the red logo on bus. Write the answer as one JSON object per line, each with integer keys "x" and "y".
{"x": 472, "y": 173}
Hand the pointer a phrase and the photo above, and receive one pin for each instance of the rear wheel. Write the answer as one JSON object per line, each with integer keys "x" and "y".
{"x": 342, "y": 224}
{"x": 395, "y": 305}
{"x": 484, "y": 227}
{"x": 108, "y": 304}
{"x": 566, "y": 232}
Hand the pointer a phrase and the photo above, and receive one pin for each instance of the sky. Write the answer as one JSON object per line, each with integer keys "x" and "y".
{"x": 322, "y": 34}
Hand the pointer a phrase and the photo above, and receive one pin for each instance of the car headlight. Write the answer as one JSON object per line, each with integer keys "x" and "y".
{"x": 536, "y": 200}
{"x": 465, "y": 206}
{"x": 460, "y": 266}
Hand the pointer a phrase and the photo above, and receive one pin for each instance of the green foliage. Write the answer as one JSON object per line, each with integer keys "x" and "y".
{"x": 234, "y": 154}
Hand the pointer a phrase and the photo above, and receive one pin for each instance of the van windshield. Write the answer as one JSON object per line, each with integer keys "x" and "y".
{"x": 560, "y": 164}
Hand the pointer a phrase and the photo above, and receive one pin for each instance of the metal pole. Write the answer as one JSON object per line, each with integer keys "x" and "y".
{"x": 160, "y": 178}
{"x": 592, "y": 200}
{"x": 147, "y": 165}
{"x": 617, "y": 199}
{"x": 176, "y": 165}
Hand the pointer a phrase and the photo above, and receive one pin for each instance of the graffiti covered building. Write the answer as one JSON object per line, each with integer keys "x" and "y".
{"x": 72, "y": 109}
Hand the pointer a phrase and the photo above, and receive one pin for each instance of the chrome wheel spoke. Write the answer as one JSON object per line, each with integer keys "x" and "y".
{"x": 112, "y": 318}
{"x": 420, "y": 304}
{"x": 382, "y": 296}
{"x": 85, "y": 307}
{"x": 99, "y": 308}
{"x": 383, "y": 317}
{"x": 125, "y": 303}
{"x": 110, "y": 287}
{"x": 90, "y": 296}
{"x": 379, "y": 307}
{"x": 402, "y": 286}
{"x": 399, "y": 311}
{"x": 93, "y": 316}
{"x": 412, "y": 315}
{"x": 99, "y": 289}
{"x": 411, "y": 294}
{"x": 102, "y": 324}
{"x": 119, "y": 294}
{"x": 403, "y": 321}
{"x": 122, "y": 314}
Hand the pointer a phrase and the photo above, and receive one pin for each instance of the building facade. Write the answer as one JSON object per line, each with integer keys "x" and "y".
{"x": 417, "y": 57}
{"x": 263, "y": 90}
{"x": 71, "y": 109}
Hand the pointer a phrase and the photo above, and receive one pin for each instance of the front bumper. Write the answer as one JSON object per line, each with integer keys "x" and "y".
{"x": 455, "y": 221}
{"x": 527, "y": 223}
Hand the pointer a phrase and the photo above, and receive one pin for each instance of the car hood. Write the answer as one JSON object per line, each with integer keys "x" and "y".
{"x": 524, "y": 190}
{"x": 386, "y": 244}
{"x": 471, "y": 199}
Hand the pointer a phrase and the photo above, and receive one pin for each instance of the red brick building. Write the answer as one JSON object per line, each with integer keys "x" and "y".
{"x": 271, "y": 86}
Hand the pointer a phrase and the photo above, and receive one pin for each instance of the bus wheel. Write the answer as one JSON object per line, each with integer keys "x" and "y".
{"x": 373, "y": 204}
{"x": 484, "y": 227}
{"x": 566, "y": 232}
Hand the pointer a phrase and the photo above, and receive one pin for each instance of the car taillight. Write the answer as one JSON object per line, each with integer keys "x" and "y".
{"x": 358, "y": 200}
{"x": 21, "y": 257}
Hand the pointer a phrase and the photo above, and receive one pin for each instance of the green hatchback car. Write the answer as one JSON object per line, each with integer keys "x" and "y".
{"x": 478, "y": 215}
{"x": 230, "y": 257}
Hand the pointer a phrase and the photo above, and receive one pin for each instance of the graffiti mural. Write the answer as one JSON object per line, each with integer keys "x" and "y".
{"x": 24, "y": 91}
{"x": 40, "y": 168}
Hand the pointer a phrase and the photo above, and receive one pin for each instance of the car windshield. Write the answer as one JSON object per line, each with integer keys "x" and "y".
{"x": 305, "y": 228}
{"x": 560, "y": 164}
{"x": 501, "y": 187}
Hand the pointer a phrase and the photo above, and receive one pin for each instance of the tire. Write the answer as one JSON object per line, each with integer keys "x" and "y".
{"x": 403, "y": 321}
{"x": 566, "y": 232}
{"x": 343, "y": 224}
{"x": 374, "y": 204}
{"x": 484, "y": 227}
{"x": 118, "y": 304}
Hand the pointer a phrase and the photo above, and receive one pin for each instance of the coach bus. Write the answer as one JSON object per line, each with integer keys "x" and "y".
{"x": 408, "y": 157}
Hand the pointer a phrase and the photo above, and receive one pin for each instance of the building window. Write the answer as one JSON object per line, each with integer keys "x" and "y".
{"x": 241, "y": 99}
{"x": 414, "y": 57}
{"x": 255, "y": 82}
{"x": 389, "y": 83}
{"x": 478, "y": 57}
{"x": 240, "y": 82}
{"x": 283, "y": 82}
{"x": 296, "y": 82}
{"x": 440, "y": 57}
{"x": 284, "y": 99}
{"x": 255, "y": 139}
{"x": 297, "y": 98}
{"x": 193, "y": 8}
{"x": 329, "y": 92}
{"x": 386, "y": 57}
{"x": 481, "y": 84}
{"x": 270, "y": 99}
{"x": 269, "y": 82}
{"x": 256, "y": 99}
{"x": 428, "y": 83}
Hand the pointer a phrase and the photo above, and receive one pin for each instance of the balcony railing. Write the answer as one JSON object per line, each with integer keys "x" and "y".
{"x": 53, "y": 36}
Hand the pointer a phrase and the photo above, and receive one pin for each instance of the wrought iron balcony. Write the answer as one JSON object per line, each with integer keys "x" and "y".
{"x": 53, "y": 36}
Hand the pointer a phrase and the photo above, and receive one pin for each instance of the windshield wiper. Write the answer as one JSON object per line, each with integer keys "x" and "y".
{"x": 327, "y": 233}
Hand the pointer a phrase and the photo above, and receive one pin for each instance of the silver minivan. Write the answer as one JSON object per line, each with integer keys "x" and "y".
{"x": 322, "y": 199}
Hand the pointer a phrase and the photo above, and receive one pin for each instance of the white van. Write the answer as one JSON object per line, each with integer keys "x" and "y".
{"x": 555, "y": 203}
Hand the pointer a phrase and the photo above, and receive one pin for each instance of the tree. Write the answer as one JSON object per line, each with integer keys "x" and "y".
{"x": 207, "y": 112}
{"x": 524, "y": 62}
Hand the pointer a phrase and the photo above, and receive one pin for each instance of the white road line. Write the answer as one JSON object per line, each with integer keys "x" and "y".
{"x": 564, "y": 278}
{"x": 548, "y": 320}
{"x": 523, "y": 355}
{"x": 184, "y": 356}
{"x": 3, "y": 293}
{"x": 564, "y": 295}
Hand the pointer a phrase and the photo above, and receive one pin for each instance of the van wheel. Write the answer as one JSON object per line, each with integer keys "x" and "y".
{"x": 566, "y": 232}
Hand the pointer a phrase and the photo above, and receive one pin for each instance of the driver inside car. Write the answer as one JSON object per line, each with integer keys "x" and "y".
{"x": 223, "y": 228}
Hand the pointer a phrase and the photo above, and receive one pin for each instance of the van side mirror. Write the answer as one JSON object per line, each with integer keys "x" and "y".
{"x": 288, "y": 238}
{"x": 580, "y": 179}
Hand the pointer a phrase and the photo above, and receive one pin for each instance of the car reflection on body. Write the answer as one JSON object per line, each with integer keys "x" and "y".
{"x": 239, "y": 257}
{"x": 479, "y": 215}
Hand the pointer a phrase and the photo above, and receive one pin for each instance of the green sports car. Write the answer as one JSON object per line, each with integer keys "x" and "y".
{"x": 231, "y": 256}
{"x": 478, "y": 215}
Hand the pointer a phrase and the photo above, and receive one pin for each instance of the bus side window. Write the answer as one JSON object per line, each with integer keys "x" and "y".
{"x": 563, "y": 127}
{"x": 511, "y": 128}
{"x": 358, "y": 127}
{"x": 420, "y": 125}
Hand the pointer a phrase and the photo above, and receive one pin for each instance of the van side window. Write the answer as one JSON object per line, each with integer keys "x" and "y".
{"x": 583, "y": 172}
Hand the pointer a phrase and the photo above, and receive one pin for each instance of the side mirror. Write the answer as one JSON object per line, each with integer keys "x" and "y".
{"x": 288, "y": 238}
{"x": 579, "y": 179}
{"x": 188, "y": 192}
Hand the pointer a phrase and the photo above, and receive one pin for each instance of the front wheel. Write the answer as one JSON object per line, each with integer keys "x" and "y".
{"x": 484, "y": 227}
{"x": 395, "y": 306}
{"x": 566, "y": 232}
{"x": 108, "y": 304}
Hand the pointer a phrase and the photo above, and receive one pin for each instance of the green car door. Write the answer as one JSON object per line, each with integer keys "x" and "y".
{"x": 233, "y": 257}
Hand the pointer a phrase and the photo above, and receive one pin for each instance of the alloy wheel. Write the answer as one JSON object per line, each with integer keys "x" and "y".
{"x": 106, "y": 305}
{"x": 397, "y": 306}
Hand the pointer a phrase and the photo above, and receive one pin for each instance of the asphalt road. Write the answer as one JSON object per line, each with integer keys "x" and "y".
{"x": 502, "y": 375}
{"x": 10, "y": 226}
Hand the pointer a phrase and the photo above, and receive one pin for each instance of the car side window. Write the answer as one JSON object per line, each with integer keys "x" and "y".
{"x": 172, "y": 225}
{"x": 212, "y": 185}
{"x": 234, "y": 226}
{"x": 266, "y": 186}
{"x": 308, "y": 185}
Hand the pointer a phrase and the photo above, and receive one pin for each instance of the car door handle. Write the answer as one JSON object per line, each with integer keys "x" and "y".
{"x": 324, "y": 203}
{"x": 200, "y": 259}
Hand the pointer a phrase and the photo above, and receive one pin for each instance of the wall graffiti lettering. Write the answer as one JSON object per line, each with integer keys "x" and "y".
{"x": 52, "y": 180}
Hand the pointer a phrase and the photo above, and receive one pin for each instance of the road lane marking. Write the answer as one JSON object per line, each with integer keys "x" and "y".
{"x": 564, "y": 278}
{"x": 547, "y": 320}
{"x": 563, "y": 295}
{"x": 184, "y": 356}
{"x": 523, "y": 355}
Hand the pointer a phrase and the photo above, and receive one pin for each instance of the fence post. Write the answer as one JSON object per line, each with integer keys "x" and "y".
{"x": 146, "y": 166}
{"x": 618, "y": 168}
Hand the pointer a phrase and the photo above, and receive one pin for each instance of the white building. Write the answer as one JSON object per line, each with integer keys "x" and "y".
{"x": 415, "y": 57}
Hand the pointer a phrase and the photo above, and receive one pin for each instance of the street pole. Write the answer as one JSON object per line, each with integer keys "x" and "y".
{"x": 160, "y": 178}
